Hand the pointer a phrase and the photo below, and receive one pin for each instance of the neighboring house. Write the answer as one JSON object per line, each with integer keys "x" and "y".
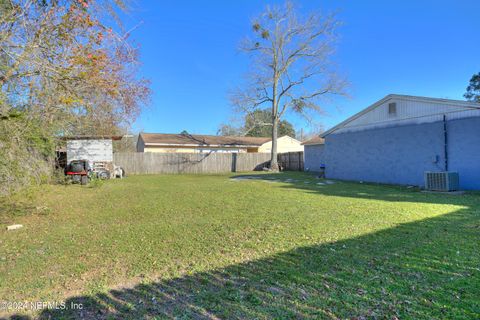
{"x": 189, "y": 143}
{"x": 193, "y": 143}
{"x": 314, "y": 154}
{"x": 284, "y": 144}
{"x": 398, "y": 138}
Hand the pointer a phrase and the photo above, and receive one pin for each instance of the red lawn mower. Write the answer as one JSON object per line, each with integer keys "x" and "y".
{"x": 79, "y": 171}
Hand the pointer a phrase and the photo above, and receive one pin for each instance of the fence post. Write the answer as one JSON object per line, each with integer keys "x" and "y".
{"x": 234, "y": 162}
{"x": 300, "y": 160}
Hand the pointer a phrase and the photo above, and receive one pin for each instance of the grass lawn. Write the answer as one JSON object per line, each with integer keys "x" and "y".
{"x": 210, "y": 247}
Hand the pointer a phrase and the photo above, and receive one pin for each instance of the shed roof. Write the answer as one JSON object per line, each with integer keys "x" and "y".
{"x": 315, "y": 140}
{"x": 92, "y": 137}
{"x": 459, "y": 103}
{"x": 165, "y": 139}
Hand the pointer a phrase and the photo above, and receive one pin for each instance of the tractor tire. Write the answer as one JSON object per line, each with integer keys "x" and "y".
{"x": 84, "y": 180}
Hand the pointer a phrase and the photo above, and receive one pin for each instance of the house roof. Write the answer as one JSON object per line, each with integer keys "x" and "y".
{"x": 459, "y": 103}
{"x": 167, "y": 139}
{"x": 315, "y": 140}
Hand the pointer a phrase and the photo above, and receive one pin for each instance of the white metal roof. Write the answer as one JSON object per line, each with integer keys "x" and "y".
{"x": 412, "y": 109}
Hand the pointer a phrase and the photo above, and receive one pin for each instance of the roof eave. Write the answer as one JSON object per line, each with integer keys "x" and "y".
{"x": 153, "y": 144}
{"x": 313, "y": 143}
{"x": 466, "y": 104}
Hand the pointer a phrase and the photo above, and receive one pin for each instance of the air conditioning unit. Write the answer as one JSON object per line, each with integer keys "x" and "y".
{"x": 441, "y": 181}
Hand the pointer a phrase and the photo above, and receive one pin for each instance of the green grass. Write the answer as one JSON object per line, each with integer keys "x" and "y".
{"x": 208, "y": 247}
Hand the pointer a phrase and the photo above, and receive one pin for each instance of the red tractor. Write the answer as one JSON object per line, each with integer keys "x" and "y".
{"x": 79, "y": 171}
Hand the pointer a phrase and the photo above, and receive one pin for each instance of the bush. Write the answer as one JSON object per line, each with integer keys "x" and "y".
{"x": 59, "y": 177}
{"x": 26, "y": 155}
{"x": 95, "y": 182}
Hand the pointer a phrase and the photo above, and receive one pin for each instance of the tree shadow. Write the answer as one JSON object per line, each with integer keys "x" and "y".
{"x": 310, "y": 183}
{"x": 419, "y": 270}
{"x": 10, "y": 210}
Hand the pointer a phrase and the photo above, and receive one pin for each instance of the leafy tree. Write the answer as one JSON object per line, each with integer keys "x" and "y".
{"x": 63, "y": 70}
{"x": 473, "y": 89}
{"x": 230, "y": 130}
{"x": 256, "y": 124}
{"x": 291, "y": 67}
{"x": 60, "y": 62}
{"x": 259, "y": 124}
{"x": 128, "y": 143}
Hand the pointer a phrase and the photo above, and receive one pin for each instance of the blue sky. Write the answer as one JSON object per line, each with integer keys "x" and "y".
{"x": 189, "y": 51}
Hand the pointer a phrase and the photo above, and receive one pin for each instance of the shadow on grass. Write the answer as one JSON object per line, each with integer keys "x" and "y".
{"x": 10, "y": 210}
{"x": 421, "y": 270}
{"x": 309, "y": 183}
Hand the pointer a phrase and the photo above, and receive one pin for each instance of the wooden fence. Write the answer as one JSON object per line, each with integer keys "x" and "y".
{"x": 197, "y": 163}
{"x": 291, "y": 161}
{"x": 153, "y": 162}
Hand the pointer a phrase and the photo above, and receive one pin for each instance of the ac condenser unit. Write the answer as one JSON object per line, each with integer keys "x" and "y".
{"x": 441, "y": 181}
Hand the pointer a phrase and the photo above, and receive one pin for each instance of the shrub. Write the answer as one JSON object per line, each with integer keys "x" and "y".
{"x": 26, "y": 154}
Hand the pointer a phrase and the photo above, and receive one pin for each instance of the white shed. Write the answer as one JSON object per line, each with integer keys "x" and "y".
{"x": 92, "y": 148}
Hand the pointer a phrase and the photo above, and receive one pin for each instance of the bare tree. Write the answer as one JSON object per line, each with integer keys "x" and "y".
{"x": 291, "y": 68}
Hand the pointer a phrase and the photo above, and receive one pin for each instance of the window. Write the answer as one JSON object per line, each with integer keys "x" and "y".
{"x": 392, "y": 108}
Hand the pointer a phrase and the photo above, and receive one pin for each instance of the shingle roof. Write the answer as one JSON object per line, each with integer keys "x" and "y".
{"x": 200, "y": 140}
{"x": 314, "y": 140}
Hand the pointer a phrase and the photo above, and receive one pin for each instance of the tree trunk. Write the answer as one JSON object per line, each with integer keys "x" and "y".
{"x": 273, "y": 159}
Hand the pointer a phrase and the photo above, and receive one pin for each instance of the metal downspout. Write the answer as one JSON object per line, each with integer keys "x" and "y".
{"x": 445, "y": 141}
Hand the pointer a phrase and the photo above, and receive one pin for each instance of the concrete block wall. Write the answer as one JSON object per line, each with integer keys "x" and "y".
{"x": 464, "y": 151}
{"x": 314, "y": 156}
{"x": 401, "y": 154}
